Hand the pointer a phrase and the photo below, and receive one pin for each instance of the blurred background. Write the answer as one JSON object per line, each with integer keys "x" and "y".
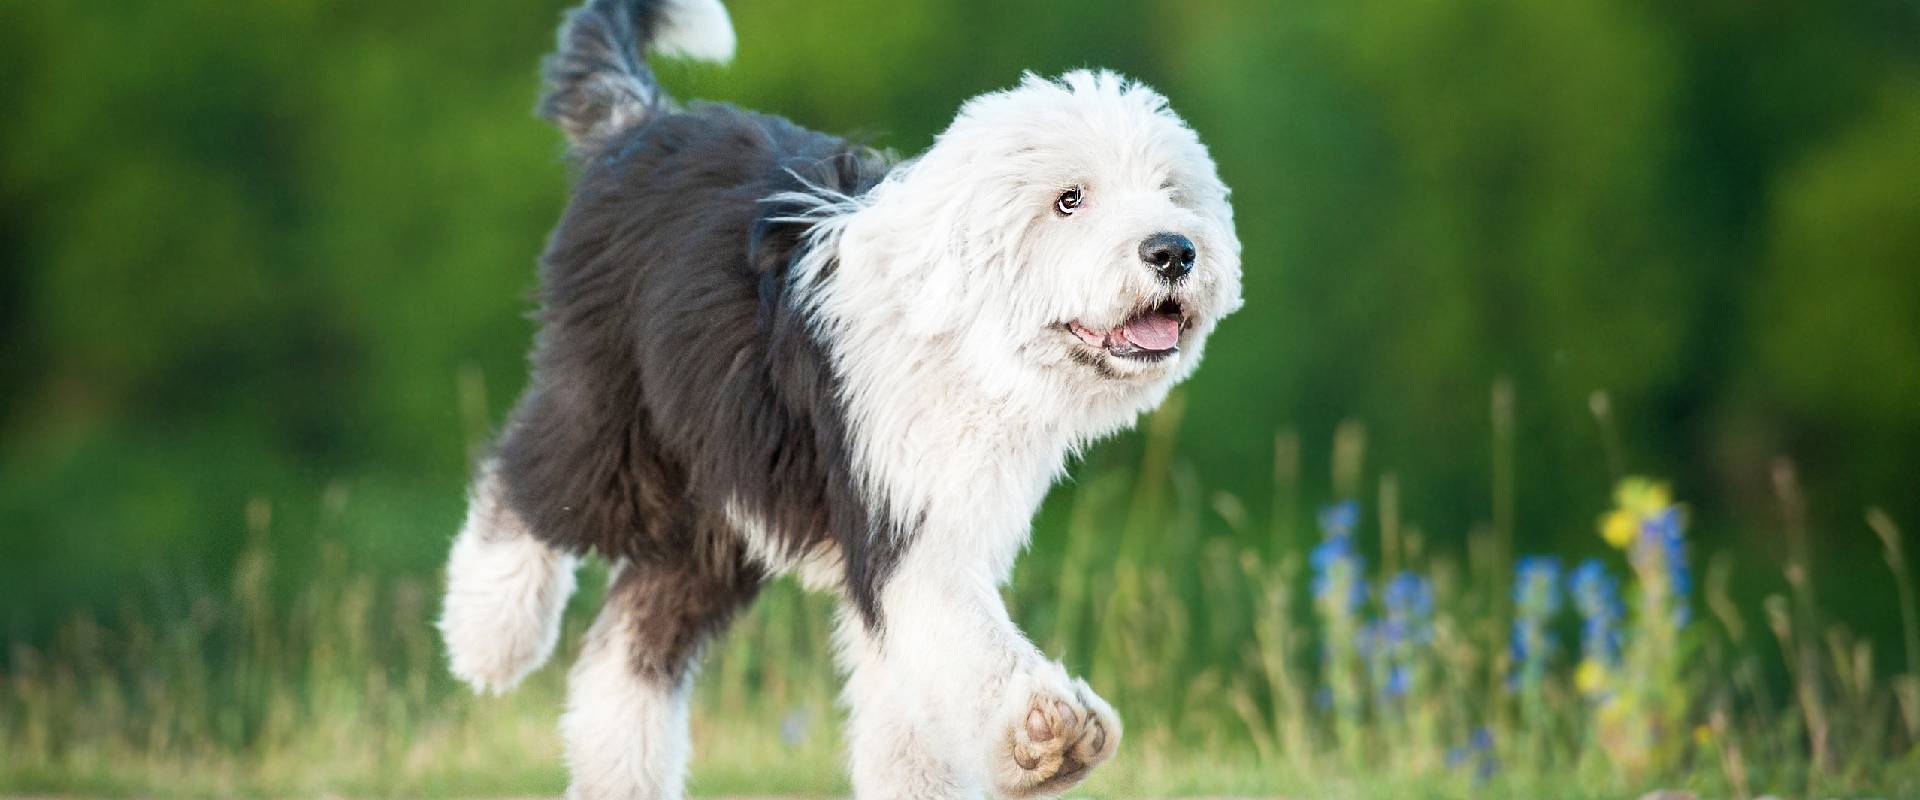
{"x": 268, "y": 249}
{"x": 283, "y": 253}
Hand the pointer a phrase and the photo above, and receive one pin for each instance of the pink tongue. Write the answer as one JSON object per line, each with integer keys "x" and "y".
{"x": 1153, "y": 331}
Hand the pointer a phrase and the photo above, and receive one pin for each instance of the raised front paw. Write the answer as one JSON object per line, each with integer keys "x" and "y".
{"x": 1065, "y": 732}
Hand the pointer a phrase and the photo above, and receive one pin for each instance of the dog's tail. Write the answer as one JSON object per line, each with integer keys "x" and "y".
{"x": 598, "y": 83}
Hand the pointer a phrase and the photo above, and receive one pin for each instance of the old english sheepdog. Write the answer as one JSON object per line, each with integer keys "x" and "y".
{"x": 766, "y": 350}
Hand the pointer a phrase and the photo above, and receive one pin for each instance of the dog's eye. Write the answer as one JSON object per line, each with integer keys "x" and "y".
{"x": 1069, "y": 201}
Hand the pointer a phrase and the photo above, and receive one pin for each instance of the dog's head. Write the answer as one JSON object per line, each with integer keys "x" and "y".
{"x": 1076, "y": 227}
{"x": 1065, "y": 235}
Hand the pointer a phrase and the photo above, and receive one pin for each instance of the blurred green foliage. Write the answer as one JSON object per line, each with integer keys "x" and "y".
{"x": 285, "y": 249}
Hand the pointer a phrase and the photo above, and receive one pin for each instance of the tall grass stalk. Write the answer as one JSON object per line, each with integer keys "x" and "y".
{"x": 1890, "y": 541}
{"x": 1799, "y": 626}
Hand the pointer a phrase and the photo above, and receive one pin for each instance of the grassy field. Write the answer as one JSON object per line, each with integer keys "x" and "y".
{"x": 1242, "y": 665}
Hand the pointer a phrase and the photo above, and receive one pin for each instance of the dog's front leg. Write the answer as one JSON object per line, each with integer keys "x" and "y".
{"x": 950, "y": 700}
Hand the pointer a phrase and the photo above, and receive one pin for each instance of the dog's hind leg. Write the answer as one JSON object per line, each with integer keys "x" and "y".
{"x": 626, "y": 721}
{"x": 506, "y": 590}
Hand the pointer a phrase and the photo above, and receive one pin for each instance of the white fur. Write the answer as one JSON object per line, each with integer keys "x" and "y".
{"x": 936, "y": 697}
{"x": 954, "y": 277}
{"x": 505, "y": 594}
{"x": 696, "y": 29}
{"x": 626, "y": 735}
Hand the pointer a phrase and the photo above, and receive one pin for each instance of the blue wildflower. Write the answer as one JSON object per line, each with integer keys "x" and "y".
{"x": 1339, "y": 519}
{"x": 1478, "y": 753}
{"x": 1596, "y": 596}
{"x": 1339, "y": 592}
{"x": 1394, "y": 643}
{"x": 1399, "y": 682}
{"x": 1331, "y": 551}
{"x": 1661, "y": 549}
{"x": 1409, "y": 603}
{"x": 1536, "y": 585}
{"x": 1536, "y": 598}
{"x": 1337, "y": 567}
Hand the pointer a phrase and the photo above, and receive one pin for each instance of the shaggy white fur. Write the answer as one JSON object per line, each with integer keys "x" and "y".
{"x": 505, "y": 594}
{"x": 626, "y": 734}
{"x": 946, "y": 309}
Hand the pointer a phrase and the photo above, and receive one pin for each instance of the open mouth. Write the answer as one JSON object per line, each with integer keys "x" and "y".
{"x": 1149, "y": 335}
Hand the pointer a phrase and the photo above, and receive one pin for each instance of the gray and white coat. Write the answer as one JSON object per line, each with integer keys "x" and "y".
{"x": 764, "y": 349}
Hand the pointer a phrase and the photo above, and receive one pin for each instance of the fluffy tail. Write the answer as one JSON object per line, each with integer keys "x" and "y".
{"x": 506, "y": 590}
{"x": 598, "y": 83}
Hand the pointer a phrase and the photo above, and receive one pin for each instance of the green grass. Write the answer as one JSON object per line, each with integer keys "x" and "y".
{"x": 1237, "y": 672}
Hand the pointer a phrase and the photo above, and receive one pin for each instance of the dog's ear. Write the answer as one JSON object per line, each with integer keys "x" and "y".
{"x": 598, "y": 82}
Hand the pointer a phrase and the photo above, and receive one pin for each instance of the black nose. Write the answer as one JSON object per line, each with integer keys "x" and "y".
{"x": 1169, "y": 254}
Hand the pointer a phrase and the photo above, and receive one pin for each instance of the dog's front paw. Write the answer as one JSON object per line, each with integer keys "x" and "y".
{"x": 1064, "y": 731}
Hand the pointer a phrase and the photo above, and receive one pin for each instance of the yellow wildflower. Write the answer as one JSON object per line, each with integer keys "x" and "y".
{"x": 1635, "y": 501}
{"x": 1590, "y": 678}
{"x": 1642, "y": 496}
{"x": 1619, "y": 527}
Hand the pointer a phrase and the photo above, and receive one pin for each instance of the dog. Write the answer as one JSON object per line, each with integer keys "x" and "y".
{"x": 765, "y": 350}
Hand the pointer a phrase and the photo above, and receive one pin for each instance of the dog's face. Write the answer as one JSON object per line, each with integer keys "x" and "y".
{"x": 1076, "y": 232}
{"x": 1127, "y": 257}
